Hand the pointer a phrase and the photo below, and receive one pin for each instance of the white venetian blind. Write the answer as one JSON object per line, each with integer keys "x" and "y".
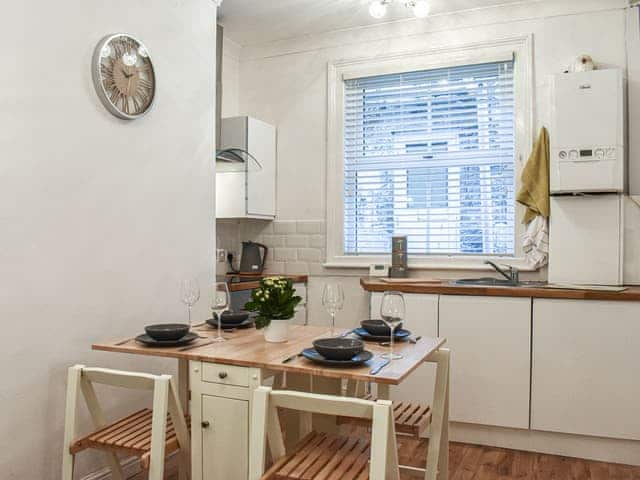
{"x": 430, "y": 154}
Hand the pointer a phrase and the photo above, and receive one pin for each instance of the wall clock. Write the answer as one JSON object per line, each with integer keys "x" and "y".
{"x": 123, "y": 76}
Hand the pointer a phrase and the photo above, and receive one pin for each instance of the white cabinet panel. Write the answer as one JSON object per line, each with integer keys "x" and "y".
{"x": 225, "y": 443}
{"x": 585, "y": 368}
{"x": 261, "y": 184}
{"x": 489, "y": 338}
{"x": 422, "y": 319}
{"x": 250, "y": 192}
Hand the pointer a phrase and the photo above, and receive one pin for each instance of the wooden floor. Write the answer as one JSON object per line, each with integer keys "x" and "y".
{"x": 472, "y": 462}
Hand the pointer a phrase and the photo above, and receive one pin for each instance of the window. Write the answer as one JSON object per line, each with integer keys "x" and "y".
{"x": 430, "y": 154}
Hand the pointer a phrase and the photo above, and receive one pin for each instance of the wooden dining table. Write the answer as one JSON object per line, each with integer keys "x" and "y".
{"x": 216, "y": 381}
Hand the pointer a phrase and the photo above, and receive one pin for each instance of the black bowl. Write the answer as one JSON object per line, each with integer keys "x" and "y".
{"x": 232, "y": 318}
{"x": 167, "y": 331}
{"x": 377, "y": 327}
{"x": 338, "y": 348}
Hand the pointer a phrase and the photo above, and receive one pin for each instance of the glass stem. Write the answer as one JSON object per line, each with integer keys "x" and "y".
{"x": 220, "y": 325}
{"x": 189, "y": 316}
{"x": 391, "y": 345}
{"x": 333, "y": 323}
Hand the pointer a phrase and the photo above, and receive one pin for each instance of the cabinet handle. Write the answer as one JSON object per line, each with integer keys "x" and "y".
{"x": 222, "y": 375}
{"x": 205, "y": 424}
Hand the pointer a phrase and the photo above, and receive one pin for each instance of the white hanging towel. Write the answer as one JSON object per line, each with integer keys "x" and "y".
{"x": 535, "y": 242}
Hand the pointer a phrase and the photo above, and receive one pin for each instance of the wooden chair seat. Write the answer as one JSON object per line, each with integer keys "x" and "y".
{"x": 322, "y": 456}
{"x": 130, "y": 435}
{"x": 411, "y": 418}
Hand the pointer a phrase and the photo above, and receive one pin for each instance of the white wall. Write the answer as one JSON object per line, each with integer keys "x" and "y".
{"x": 100, "y": 218}
{"x": 284, "y": 83}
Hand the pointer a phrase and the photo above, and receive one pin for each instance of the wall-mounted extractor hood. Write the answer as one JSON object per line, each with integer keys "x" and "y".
{"x": 234, "y": 157}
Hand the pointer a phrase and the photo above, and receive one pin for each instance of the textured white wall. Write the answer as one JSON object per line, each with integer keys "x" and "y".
{"x": 99, "y": 218}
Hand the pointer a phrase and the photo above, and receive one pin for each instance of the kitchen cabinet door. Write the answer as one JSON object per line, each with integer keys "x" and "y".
{"x": 585, "y": 368}
{"x": 489, "y": 338}
{"x": 225, "y": 443}
{"x": 422, "y": 319}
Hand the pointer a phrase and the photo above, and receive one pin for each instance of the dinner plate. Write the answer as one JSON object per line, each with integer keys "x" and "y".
{"x": 356, "y": 360}
{"x": 213, "y": 322}
{"x": 151, "y": 342}
{"x": 400, "y": 334}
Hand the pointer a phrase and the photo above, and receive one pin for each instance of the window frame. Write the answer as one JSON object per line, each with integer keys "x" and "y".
{"x": 338, "y": 71}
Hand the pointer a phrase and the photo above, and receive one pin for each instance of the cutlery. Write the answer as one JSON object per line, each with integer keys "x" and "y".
{"x": 375, "y": 370}
{"x": 411, "y": 340}
{"x": 292, "y": 357}
{"x": 346, "y": 334}
{"x": 122, "y": 342}
{"x": 190, "y": 347}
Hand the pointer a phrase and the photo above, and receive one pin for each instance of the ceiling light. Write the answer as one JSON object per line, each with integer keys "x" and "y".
{"x": 421, "y": 8}
{"x": 378, "y": 9}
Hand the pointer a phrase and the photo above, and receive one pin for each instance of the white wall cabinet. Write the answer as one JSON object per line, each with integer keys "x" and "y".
{"x": 247, "y": 192}
{"x": 489, "y": 338}
{"x": 422, "y": 319}
{"x": 585, "y": 368}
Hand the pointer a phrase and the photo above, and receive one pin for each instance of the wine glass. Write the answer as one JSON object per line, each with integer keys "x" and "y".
{"x": 219, "y": 304}
{"x": 333, "y": 300}
{"x": 392, "y": 312}
{"x": 189, "y": 294}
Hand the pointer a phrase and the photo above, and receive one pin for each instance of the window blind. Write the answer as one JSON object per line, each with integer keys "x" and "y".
{"x": 430, "y": 154}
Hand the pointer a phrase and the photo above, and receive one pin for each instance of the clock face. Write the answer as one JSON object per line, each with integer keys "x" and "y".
{"x": 123, "y": 76}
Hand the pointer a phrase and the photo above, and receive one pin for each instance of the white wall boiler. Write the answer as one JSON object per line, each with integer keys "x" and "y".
{"x": 587, "y": 137}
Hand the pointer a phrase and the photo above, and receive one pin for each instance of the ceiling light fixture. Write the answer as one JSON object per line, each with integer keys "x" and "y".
{"x": 378, "y": 8}
{"x": 420, "y": 8}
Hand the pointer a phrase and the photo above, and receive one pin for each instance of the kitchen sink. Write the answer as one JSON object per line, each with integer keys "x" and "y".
{"x": 496, "y": 282}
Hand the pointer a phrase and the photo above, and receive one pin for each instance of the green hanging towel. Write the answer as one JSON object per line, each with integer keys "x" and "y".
{"x": 534, "y": 192}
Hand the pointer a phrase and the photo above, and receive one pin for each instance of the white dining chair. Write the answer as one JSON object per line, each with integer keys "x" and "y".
{"x": 322, "y": 455}
{"x": 147, "y": 434}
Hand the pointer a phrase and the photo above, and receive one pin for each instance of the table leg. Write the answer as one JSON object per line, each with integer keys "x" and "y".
{"x": 183, "y": 384}
{"x": 438, "y": 455}
{"x": 383, "y": 391}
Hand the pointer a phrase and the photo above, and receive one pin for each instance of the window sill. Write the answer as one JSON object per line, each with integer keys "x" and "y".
{"x": 431, "y": 263}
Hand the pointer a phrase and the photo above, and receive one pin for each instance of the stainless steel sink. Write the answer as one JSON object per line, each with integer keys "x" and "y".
{"x": 496, "y": 282}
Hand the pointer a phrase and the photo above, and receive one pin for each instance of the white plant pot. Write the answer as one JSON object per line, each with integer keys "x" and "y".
{"x": 277, "y": 331}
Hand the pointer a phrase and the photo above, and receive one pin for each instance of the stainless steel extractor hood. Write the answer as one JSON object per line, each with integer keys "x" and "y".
{"x": 238, "y": 158}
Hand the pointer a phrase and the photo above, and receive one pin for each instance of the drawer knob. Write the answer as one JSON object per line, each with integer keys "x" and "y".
{"x": 205, "y": 424}
{"x": 222, "y": 375}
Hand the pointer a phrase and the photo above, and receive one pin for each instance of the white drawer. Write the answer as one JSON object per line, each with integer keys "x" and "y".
{"x": 225, "y": 374}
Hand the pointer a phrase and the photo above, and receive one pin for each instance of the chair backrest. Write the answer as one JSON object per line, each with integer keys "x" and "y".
{"x": 81, "y": 381}
{"x": 265, "y": 426}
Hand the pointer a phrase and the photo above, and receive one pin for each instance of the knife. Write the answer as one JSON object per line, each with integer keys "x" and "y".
{"x": 292, "y": 357}
{"x": 346, "y": 334}
{"x": 375, "y": 370}
{"x": 191, "y": 347}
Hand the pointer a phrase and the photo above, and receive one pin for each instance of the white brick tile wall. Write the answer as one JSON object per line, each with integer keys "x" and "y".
{"x": 310, "y": 255}
{"x": 284, "y": 227}
{"x": 272, "y": 241}
{"x": 285, "y": 254}
{"x": 297, "y": 240}
{"x": 295, "y": 247}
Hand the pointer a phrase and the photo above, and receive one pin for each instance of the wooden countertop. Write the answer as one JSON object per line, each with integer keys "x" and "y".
{"x": 373, "y": 284}
{"x": 250, "y": 285}
{"x": 248, "y": 348}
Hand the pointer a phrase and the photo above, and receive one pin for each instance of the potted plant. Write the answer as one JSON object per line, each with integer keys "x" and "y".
{"x": 275, "y": 301}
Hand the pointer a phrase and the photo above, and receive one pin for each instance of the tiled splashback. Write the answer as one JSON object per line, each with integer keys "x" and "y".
{"x": 295, "y": 246}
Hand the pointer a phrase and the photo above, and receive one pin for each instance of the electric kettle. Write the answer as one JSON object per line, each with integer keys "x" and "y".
{"x": 252, "y": 260}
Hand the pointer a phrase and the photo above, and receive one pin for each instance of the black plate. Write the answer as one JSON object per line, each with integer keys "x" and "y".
{"x": 150, "y": 342}
{"x": 400, "y": 334}
{"x": 232, "y": 318}
{"x": 213, "y": 322}
{"x": 359, "y": 359}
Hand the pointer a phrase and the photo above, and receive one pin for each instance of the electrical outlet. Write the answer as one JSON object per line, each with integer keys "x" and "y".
{"x": 221, "y": 255}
